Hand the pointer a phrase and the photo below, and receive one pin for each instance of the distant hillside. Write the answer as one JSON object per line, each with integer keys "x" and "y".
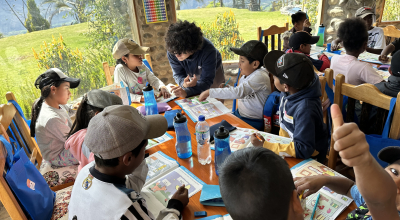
{"x": 193, "y": 4}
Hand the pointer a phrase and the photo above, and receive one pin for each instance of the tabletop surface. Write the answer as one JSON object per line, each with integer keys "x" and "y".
{"x": 206, "y": 172}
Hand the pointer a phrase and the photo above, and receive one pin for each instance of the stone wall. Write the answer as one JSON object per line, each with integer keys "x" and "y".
{"x": 335, "y": 11}
{"x": 152, "y": 35}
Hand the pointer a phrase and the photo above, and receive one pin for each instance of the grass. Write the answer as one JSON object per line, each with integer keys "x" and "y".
{"x": 248, "y": 21}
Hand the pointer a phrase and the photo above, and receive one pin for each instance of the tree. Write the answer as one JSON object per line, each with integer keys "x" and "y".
{"x": 20, "y": 16}
{"x": 1, "y": 35}
{"x": 179, "y": 2}
{"x": 76, "y": 8}
{"x": 35, "y": 20}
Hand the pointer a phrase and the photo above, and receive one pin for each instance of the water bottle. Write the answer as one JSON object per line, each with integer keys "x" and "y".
{"x": 183, "y": 143}
{"x": 150, "y": 102}
{"x": 321, "y": 34}
{"x": 222, "y": 148}
{"x": 203, "y": 141}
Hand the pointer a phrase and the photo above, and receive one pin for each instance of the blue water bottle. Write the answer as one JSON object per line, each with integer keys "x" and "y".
{"x": 222, "y": 147}
{"x": 183, "y": 143}
{"x": 321, "y": 34}
{"x": 150, "y": 102}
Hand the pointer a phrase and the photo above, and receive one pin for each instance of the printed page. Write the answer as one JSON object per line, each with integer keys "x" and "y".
{"x": 210, "y": 110}
{"x": 159, "y": 164}
{"x": 272, "y": 138}
{"x": 328, "y": 208}
{"x": 193, "y": 101}
{"x": 120, "y": 92}
{"x": 227, "y": 217}
{"x": 238, "y": 138}
{"x": 384, "y": 74}
{"x": 161, "y": 99}
{"x": 372, "y": 58}
{"x": 156, "y": 141}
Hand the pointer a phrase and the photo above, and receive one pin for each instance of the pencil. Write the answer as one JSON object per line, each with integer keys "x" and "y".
{"x": 227, "y": 81}
{"x": 315, "y": 207}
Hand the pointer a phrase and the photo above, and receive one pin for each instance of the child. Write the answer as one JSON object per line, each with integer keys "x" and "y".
{"x": 300, "y": 110}
{"x": 51, "y": 117}
{"x": 300, "y": 42}
{"x": 353, "y": 32}
{"x": 392, "y": 86}
{"x": 391, "y": 48}
{"x": 109, "y": 187}
{"x": 266, "y": 187}
{"x": 92, "y": 103}
{"x": 376, "y": 37}
{"x": 254, "y": 86}
{"x": 131, "y": 71}
{"x": 374, "y": 191}
{"x": 300, "y": 23}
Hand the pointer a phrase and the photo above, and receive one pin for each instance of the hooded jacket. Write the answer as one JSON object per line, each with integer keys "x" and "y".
{"x": 321, "y": 64}
{"x": 301, "y": 119}
{"x": 75, "y": 145}
{"x": 391, "y": 87}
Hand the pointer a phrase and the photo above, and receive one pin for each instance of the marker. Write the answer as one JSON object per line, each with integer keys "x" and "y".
{"x": 227, "y": 81}
{"x": 315, "y": 207}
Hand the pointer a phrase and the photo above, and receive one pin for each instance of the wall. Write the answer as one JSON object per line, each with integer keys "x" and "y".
{"x": 152, "y": 35}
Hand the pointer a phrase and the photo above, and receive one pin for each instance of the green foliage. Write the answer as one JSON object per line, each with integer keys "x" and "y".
{"x": 312, "y": 10}
{"x": 76, "y": 8}
{"x": 35, "y": 21}
{"x": 224, "y": 34}
{"x": 391, "y": 11}
{"x": 211, "y": 4}
{"x": 1, "y": 35}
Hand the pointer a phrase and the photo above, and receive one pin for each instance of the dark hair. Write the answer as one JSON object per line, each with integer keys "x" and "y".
{"x": 120, "y": 61}
{"x": 298, "y": 16}
{"x": 183, "y": 37}
{"x": 84, "y": 114}
{"x": 115, "y": 161}
{"x": 251, "y": 60}
{"x": 255, "y": 181}
{"x": 37, "y": 105}
{"x": 354, "y": 33}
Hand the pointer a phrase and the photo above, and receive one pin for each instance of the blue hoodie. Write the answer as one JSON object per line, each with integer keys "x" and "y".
{"x": 205, "y": 63}
{"x": 302, "y": 119}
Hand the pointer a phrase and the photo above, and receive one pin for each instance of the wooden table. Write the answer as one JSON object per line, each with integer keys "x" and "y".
{"x": 207, "y": 172}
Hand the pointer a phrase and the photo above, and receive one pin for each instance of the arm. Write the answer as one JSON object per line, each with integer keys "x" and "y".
{"x": 336, "y": 44}
{"x": 385, "y": 52}
{"x": 119, "y": 75}
{"x": 326, "y": 63}
{"x": 374, "y": 51}
{"x": 58, "y": 129}
{"x": 340, "y": 185}
{"x": 178, "y": 72}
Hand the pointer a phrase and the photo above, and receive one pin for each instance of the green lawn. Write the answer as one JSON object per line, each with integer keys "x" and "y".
{"x": 248, "y": 21}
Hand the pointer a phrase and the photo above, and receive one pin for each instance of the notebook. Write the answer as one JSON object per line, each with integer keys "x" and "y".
{"x": 163, "y": 180}
{"x": 210, "y": 107}
{"x": 330, "y": 204}
{"x": 211, "y": 196}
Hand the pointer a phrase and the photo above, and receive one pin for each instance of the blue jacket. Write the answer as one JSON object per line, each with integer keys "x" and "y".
{"x": 301, "y": 117}
{"x": 205, "y": 63}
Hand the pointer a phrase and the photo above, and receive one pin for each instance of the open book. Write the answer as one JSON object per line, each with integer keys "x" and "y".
{"x": 163, "y": 180}
{"x": 372, "y": 58}
{"x": 156, "y": 141}
{"x": 217, "y": 217}
{"x": 210, "y": 107}
{"x": 330, "y": 204}
{"x": 161, "y": 99}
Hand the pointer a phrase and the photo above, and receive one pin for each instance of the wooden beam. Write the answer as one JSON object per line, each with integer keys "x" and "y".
{"x": 173, "y": 10}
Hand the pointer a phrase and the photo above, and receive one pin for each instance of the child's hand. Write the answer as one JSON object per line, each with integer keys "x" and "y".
{"x": 383, "y": 58}
{"x": 165, "y": 93}
{"x": 203, "y": 96}
{"x": 307, "y": 23}
{"x": 312, "y": 183}
{"x": 182, "y": 195}
{"x": 190, "y": 83}
{"x": 335, "y": 45}
{"x": 350, "y": 142}
{"x": 255, "y": 140}
{"x": 179, "y": 92}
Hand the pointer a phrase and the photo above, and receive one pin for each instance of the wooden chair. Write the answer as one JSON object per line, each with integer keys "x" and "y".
{"x": 109, "y": 70}
{"x": 272, "y": 31}
{"x": 370, "y": 96}
{"x": 391, "y": 33}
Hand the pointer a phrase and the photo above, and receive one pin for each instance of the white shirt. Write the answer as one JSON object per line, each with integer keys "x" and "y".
{"x": 252, "y": 92}
{"x": 355, "y": 71}
{"x": 136, "y": 80}
{"x": 376, "y": 38}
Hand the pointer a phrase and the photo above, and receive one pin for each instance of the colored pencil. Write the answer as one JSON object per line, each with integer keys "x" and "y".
{"x": 315, "y": 207}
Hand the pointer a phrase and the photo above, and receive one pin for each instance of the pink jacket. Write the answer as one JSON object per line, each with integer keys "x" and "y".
{"x": 74, "y": 145}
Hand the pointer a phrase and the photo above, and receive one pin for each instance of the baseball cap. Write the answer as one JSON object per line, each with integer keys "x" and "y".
{"x": 294, "y": 69}
{"x": 119, "y": 129}
{"x": 395, "y": 64}
{"x": 254, "y": 49}
{"x": 389, "y": 154}
{"x": 300, "y": 38}
{"x": 101, "y": 99}
{"x": 55, "y": 75}
{"x": 126, "y": 46}
{"x": 364, "y": 12}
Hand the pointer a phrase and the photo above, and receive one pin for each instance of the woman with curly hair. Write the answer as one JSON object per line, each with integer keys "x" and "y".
{"x": 195, "y": 62}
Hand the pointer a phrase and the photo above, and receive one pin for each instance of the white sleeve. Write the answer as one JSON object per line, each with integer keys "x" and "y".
{"x": 380, "y": 40}
{"x": 153, "y": 80}
{"x": 119, "y": 75}
{"x": 137, "y": 179}
{"x": 136, "y": 98}
{"x": 168, "y": 214}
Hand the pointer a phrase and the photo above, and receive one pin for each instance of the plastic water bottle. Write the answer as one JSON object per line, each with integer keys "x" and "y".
{"x": 203, "y": 141}
{"x": 150, "y": 103}
{"x": 183, "y": 143}
{"x": 321, "y": 34}
{"x": 222, "y": 147}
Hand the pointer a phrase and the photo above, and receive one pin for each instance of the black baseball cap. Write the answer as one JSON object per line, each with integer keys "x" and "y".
{"x": 254, "y": 49}
{"x": 55, "y": 75}
{"x": 389, "y": 154}
{"x": 300, "y": 38}
{"x": 395, "y": 64}
{"x": 294, "y": 69}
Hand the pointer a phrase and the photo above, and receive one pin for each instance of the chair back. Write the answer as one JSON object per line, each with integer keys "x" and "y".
{"x": 273, "y": 31}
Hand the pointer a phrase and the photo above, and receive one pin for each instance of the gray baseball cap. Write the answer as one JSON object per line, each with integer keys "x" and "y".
{"x": 364, "y": 12}
{"x": 126, "y": 46}
{"x": 101, "y": 99}
{"x": 119, "y": 129}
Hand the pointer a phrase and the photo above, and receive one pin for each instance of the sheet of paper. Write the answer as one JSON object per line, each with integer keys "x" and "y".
{"x": 385, "y": 74}
{"x": 372, "y": 58}
{"x": 161, "y": 99}
{"x": 327, "y": 209}
{"x": 209, "y": 110}
{"x": 193, "y": 102}
{"x": 156, "y": 141}
{"x": 159, "y": 164}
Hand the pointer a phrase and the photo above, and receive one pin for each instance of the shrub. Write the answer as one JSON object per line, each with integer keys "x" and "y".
{"x": 391, "y": 12}
{"x": 224, "y": 34}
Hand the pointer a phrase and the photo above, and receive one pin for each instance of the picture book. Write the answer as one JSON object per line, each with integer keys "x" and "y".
{"x": 210, "y": 107}
{"x": 159, "y": 164}
{"x": 158, "y": 192}
{"x": 156, "y": 141}
{"x": 161, "y": 99}
{"x": 123, "y": 93}
{"x": 330, "y": 203}
{"x": 217, "y": 217}
{"x": 372, "y": 58}
{"x": 272, "y": 138}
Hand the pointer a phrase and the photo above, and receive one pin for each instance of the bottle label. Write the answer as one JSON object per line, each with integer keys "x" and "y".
{"x": 202, "y": 137}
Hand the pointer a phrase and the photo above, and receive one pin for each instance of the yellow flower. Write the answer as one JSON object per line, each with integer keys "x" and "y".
{"x": 45, "y": 44}
{"x": 47, "y": 66}
{"x": 38, "y": 65}
{"x": 59, "y": 54}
